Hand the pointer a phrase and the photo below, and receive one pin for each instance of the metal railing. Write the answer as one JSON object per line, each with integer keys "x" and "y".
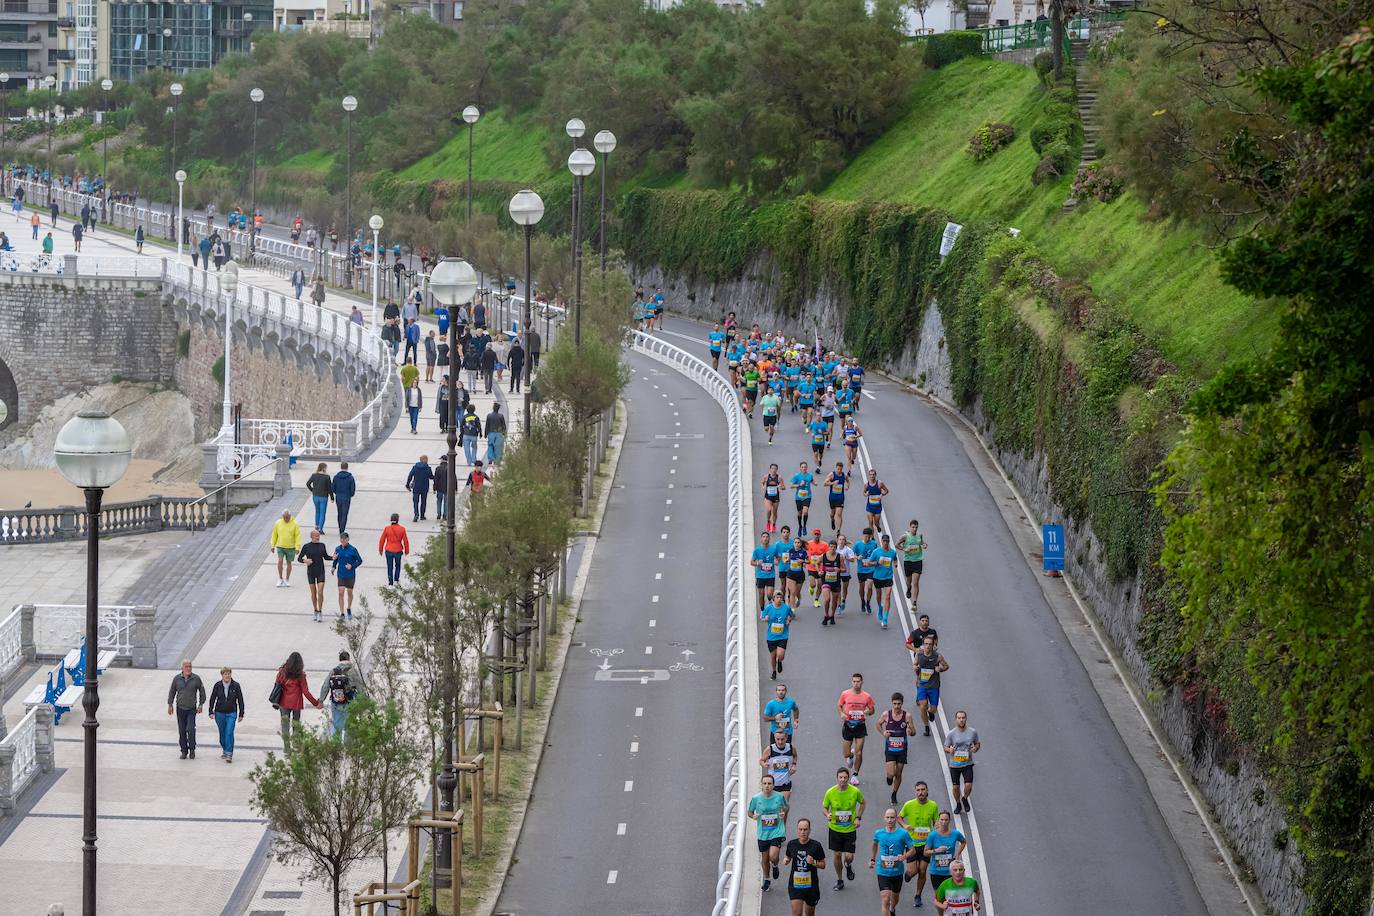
{"x": 738, "y": 712}
{"x": 1037, "y": 34}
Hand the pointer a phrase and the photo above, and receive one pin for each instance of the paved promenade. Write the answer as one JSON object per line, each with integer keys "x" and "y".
{"x": 179, "y": 835}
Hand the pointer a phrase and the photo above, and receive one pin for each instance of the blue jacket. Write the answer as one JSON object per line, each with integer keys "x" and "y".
{"x": 345, "y": 487}
{"x": 413, "y": 332}
{"x": 347, "y": 555}
{"x": 419, "y": 477}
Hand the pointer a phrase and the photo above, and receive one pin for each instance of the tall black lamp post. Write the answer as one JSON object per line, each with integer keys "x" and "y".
{"x": 256, "y": 96}
{"x": 92, "y": 451}
{"x": 527, "y": 209}
{"x": 604, "y": 141}
{"x": 580, "y": 163}
{"x": 105, "y": 86}
{"x": 470, "y": 116}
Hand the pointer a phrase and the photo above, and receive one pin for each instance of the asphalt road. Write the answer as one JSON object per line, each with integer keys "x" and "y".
{"x": 625, "y": 816}
{"x": 1063, "y": 821}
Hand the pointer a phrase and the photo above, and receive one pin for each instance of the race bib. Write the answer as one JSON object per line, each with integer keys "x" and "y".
{"x": 779, "y": 764}
{"x": 856, "y": 715}
{"x": 777, "y": 628}
{"x": 919, "y": 834}
{"x": 842, "y": 818}
{"x": 884, "y": 561}
{"x": 769, "y": 820}
{"x": 801, "y": 879}
{"x": 962, "y": 755}
{"x": 772, "y": 490}
{"x": 765, "y": 566}
{"x": 784, "y": 721}
{"x": 890, "y": 862}
{"x": 926, "y": 674}
{"x": 942, "y": 859}
{"x": 896, "y": 742}
{"x": 837, "y": 488}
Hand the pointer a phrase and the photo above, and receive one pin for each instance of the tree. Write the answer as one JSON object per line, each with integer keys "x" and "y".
{"x": 918, "y": 7}
{"x": 329, "y": 801}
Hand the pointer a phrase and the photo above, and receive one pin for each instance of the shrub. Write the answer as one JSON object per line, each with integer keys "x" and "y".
{"x": 948, "y": 47}
{"x": 989, "y": 138}
{"x": 1044, "y": 66}
{"x": 1100, "y": 182}
{"x": 1064, "y": 94}
{"x": 1047, "y": 132}
{"x": 1057, "y": 158}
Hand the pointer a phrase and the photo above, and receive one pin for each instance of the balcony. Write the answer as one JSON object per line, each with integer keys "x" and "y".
{"x": 65, "y": 54}
{"x": 66, "y": 22}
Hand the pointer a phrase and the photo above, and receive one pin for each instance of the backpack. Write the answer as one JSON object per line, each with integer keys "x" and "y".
{"x": 341, "y": 691}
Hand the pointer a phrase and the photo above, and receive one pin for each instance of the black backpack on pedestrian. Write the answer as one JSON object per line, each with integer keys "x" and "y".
{"x": 341, "y": 689}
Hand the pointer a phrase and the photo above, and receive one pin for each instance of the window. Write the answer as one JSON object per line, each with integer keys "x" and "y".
{"x": 457, "y": 10}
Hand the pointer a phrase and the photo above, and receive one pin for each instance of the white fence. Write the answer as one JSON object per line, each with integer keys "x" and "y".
{"x": 741, "y": 637}
{"x": 11, "y": 644}
{"x": 59, "y": 628}
{"x": 25, "y": 753}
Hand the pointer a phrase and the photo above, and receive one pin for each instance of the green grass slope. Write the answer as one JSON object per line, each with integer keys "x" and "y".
{"x": 1161, "y": 274}
{"x": 504, "y": 148}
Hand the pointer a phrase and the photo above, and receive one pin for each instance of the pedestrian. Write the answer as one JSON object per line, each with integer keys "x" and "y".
{"x": 394, "y": 544}
{"x": 321, "y": 488}
{"x": 415, "y": 399}
{"x": 441, "y": 485}
{"x": 226, "y": 708}
{"x": 47, "y": 244}
{"x": 516, "y": 361}
{"x": 431, "y": 356}
{"x": 356, "y": 316}
{"x": 472, "y": 361}
{"x": 85, "y": 215}
{"x": 195, "y": 251}
{"x": 412, "y": 340}
{"x": 298, "y": 282}
{"x": 290, "y": 698}
{"x": 217, "y": 252}
{"x": 204, "y": 247}
{"x": 410, "y": 373}
{"x": 472, "y": 431}
{"x": 187, "y": 697}
{"x": 441, "y": 404}
{"x": 391, "y": 313}
{"x": 286, "y": 542}
{"x": 36, "y": 222}
{"x": 477, "y": 479}
{"x": 410, "y": 309}
{"x": 347, "y": 559}
{"x": 77, "y": 231}
{"x": 342, "y": 688}
{"x": 53, "y": 209}
{"x": 502, "y": 347}
{"x": 344, "y": 488}
{"x": 418, "y": 481}
{"x": 489, "y": 360}
{"x": 496, "y": 434}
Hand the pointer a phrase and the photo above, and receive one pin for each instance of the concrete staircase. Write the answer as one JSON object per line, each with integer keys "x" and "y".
{"x": 1087, "y": 109}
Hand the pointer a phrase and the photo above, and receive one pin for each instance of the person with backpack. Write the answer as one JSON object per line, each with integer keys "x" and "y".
{"x": 471, "y": 428}
{"x": 289, "y": 693}
{"x": 342, "y": 687}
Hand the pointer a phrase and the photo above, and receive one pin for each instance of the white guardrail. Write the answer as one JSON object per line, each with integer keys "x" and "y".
{"x": 741, "y": 636}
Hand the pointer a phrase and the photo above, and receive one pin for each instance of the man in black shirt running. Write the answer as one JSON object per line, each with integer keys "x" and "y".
{"x": 803, "y": 858}
{"x": 313, "y": 554}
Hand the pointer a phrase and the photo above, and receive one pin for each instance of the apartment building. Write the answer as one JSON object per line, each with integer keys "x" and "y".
{"x": 29, "y": 41}
{"x": 177, "y": 37}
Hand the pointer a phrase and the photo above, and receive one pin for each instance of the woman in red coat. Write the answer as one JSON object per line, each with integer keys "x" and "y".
{"x": 295, "y": 690}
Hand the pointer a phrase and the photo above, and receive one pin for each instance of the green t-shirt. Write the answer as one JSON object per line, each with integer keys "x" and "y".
{"x": 912, "y": 546}
{"x": 958, "y": 898}
{"x": 843, "y": 805}
{"x": 410, "y": 373}
{"x": 770, "y": 404}
{"x": 770, "y": 822}
{"x": 920, "y": 818}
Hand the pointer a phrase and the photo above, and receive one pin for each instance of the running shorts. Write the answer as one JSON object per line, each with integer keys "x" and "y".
{"x": 882, "y": 583}
{"x": 770, "y": 420}
{"x": 765, "y": 845}
{"x": 851, "y": 730}
{"x": 760, "y": 582}
{"x": 807, "y": 895}
{"x": 889, "y": 883}
{"x": 929, "y": 694}
{"x": 796, "y": 575}
{"x": 963, "y": 773}
{"x": 841, "y": 842}
{"x": 913, "y": 567}
{"x": 347, "y": 583}
{"x": 776, "y": 644}
{"x": 314, "y": 575}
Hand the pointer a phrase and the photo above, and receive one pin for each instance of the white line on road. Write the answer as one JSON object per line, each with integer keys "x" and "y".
{"x": 868, "y": 394}
{"x": 639, "y": 712}
{"x": 653, "y": 623}
{"x": 667, "y": 518}
{"x": 634, "y": 747}
{"x": 658, "y": 575}
{"x": 672, "y": 471}
{"x": 610, "y": 878}
{"x": 668, "y": 502}
{"x": 663, "y": 536}
{"x": 648, "y": 650}
{"x": 629, "y": 785}
{"x": 660, "y": 556}
{"x": 619, "y": 829}
{"x": 654, "y": 599}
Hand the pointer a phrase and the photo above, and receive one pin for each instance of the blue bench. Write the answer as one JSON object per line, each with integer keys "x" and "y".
{"x": 55, "y": 693}
{"x": 75, "y": 663}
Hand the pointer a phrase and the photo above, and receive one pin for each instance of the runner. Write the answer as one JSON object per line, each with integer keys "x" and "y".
{"x": 804, "y": 857}
{"x": 944, "y": 845}
{"x": 843, "y": 804}
{"x": 772, "y": 489}
{"x": 913, "y": 546}
{"x": 883, "y": 558}
{"x": 769, "y": 808}
{"x": 874, "y": 491}
{"x": 958, "y": 895}
{"x": 806, "y": 399}
{"x": 830, "y": 566}
{"x": 892, "y": 850}
{"x": 918, "y": 817}
{"x": 863, "y": 550}
{"x": 856, "y": 383}
{"x": 779, "y": 763}
{"x": 855, "y": 706}
{"x": 313, "y": 554}
{"x": 796, "y": 571}
{"x": 763, "y": 561}
{"x": 716, "y": 342}
{"x": 895, "y": 725}
{"x": 778, "y": 617}
{"x": 781, "y": 712}
{"x": 347, "y": 559}
{"x": 848, "y": 561}
{"x": 751, "y": 386}
{"x": 827, "y": 412}
{"x": 731, "y": 327}
{"x": 818, "y": 431}
{"x": 851, "y": 434}
{"x": 815, "y": 549}
{"x": 791, "y": 376}
{"x": 961, "y": 743}
{"x": 844, "y": 396}
{"x": 836, "y": 483}
{"x": 771, "y": 405}
{"x": 733, "y": 354}
{"x": 918, "y": 635}
{"x": 928, "y": 663}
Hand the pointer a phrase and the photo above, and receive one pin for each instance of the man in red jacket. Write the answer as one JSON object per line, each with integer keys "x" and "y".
{"x": 394, "y": 544}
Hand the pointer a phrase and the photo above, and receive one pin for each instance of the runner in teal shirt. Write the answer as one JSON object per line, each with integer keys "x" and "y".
{"x": 891, "y": 847}
{"x": 769, "y": 809}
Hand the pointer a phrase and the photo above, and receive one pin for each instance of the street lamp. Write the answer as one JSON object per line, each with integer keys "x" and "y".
{"x": 105, "y": 86}
{"x": 580, "y": 163}
{"x": 175, "y": 90}
{"x": 451, "y": 281}
{"x": 247, "y": 32}
{"x": 92, "y": 451}
{"x": 470, "y": 115}
{"x": 49, "y": 82}
{"x": 375, "y": 224}
{"x": 605, "y": 145}
{"x": 256, "y": 96}
{"x": 229, "y": 286}
{"x": 181, "y": 237}
{"x": 575, "y": 129}
{"x": 527, "y": 209}
{"x": 4, "y": 103}
{"x": 349, "y": 105}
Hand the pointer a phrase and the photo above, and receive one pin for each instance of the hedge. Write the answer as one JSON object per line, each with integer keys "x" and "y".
{"x": 947, "y": 47}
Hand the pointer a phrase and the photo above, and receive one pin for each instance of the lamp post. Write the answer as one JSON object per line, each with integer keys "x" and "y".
{"x": 605, "y": 145}
{"x": 175, "y": 90}
{"x": 580, "y": 163}
{"x": 105, "y": 86}
{"x": 575, "y": 129}
{"x": 470, "y": 115}
{"x": 375, "y": 224}
{"x": 92, "y": 451}
{"x": 256, "y": 96}
{"x": 451, "y": 281}
{"x": 166, "y": 40}
{"x": 229, "y": 286}
{"x": 350, "y": 104}
{"x": 527, "y": 209}
{"x": 181, "y": 185}
{"x": 49, "y": 82}
{"x": 4, "y": 103}
{"x": 247, "y": 32}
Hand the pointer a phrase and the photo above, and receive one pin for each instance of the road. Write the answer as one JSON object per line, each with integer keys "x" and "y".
{"x": 625, "y": 816}
{"x": 1061, "y": 813}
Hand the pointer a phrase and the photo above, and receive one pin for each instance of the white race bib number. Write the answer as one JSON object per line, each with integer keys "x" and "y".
{"x": 842, "y": 818}
{"x": 856, "y": 715}
{"x": 919, "y": 834}
{"x": 769, "y": 820}
{"x": 926, "y": 674}
{"x": 776, "y": 628}
{"x": 896, "y": 742}
{"x": 801, "y": 879}
{"x": 962, "y": 756}
{"x": 942, "y": 859}
{"x": 890, "y": 862}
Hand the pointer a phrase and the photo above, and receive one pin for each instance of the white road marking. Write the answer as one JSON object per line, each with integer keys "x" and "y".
{"x": 655, "y": 386}
{"x": 619, "y": 829}
{"x": 639, "y": 712}
{"x": 610, "y": 878}
{"x": 660, "y": 556}
{"x": 670, "y": 486}
{"x": 667, "y": 518}
{"x": 675, "y": 456}
{"x": 674, "y": 413}
{"x": 648, "y": 650}
{"x": 654, "y": 599}
{"x": 653, "y": 623}
{"x": 629, "y": 785}
{"x": 644, "y": 680}
{"x": 663, "y": 536}
{"x": 868, "y": 394}
{"x": 667, "y": 502}
{"x": 634, "y": 747}
{"x": 672, "y": 471}
{"x": 677, "y": 424}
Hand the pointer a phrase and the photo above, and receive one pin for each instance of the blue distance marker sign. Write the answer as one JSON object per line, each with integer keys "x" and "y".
{"x": 1053, "y": 536}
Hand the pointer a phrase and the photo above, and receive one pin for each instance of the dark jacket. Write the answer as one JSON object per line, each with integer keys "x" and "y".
{"x": 516, "y": 357}
{"x": 226, "y": 700}
{"x": 319, "y": 484}
{"x": 489, "y": 359}
{"x": 496, "y": 422}
{"x": 472, "y": 358}
{"x": 419, "y": 396}
{"x": 419, "y": 477}
{"x": 186, "y": 692}
{"x": 471, "y": 425}
{"x": 345, "y": 487}
{"x": 441, "y": 477}
{"x": 534, "y": 341}
{"x": 391, "y": 310}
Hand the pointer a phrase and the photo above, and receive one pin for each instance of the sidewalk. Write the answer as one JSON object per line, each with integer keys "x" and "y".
{"x": 179, "y": 835}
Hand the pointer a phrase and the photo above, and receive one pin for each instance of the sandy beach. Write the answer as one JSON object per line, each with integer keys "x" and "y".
{"x": 46, "y": 488}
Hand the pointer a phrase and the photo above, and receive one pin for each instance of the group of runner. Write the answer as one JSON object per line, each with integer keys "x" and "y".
{"x": 915, "y": 842}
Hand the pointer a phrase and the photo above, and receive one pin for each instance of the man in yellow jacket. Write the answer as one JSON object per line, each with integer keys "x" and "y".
{"x": 286, "y": 543}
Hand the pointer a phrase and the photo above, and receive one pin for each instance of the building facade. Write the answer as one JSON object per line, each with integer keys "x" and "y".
{"x": 29, "y": 41}
{"x": 177, "y": 37}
